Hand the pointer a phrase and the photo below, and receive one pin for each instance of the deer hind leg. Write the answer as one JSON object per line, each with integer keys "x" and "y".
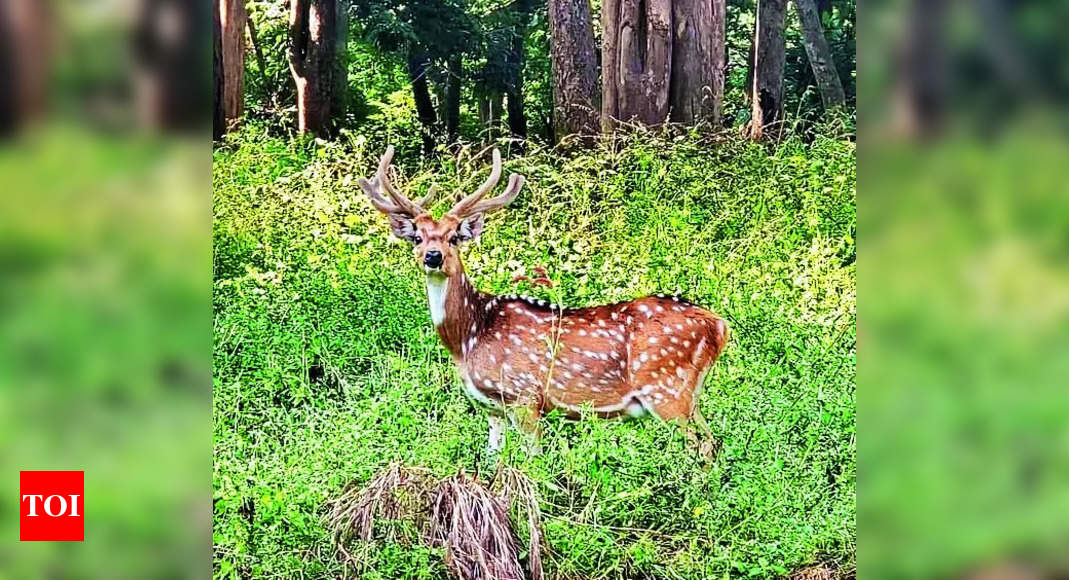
{"x": 709, "y": 447}
{"x": 707, "y": 443}
{"x": 682, "y": 407}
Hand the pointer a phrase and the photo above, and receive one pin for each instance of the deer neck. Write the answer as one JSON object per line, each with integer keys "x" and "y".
{"x": 457, "y": 311}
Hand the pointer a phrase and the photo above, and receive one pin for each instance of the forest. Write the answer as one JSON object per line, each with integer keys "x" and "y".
{"x": 444, "y": 71}
{"x": 702, "y": 148}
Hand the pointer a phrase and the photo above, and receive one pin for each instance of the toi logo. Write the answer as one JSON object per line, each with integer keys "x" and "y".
{"x": 51, "y": 506}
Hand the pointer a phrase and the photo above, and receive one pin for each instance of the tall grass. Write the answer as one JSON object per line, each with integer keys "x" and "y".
{"x": 327, "y": 367}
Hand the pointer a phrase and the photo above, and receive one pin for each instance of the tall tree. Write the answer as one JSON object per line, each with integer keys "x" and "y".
{"x": 9, "y": 105}
{"x": 492, "y": 78}
{"x": 922, "y": 62}
{"x": 317, "y": 39}
{"x": 453, "y": 85}
{"x": 820, "y": 60}
{"x": 232, "y": 18}
{"x": 25, "y": 59}
{"x": 514, "y": 64}
{"x": 419, "y": 64}
{"x": 218, "y": 80}
{"x": 765, "y": 75}
{"x": 574, "y": 65}
{"x": 696, "y": 87}
{"x": 661, "y": 60}
{"x": 170, "y": 47}
{"x": 490, "y": 97}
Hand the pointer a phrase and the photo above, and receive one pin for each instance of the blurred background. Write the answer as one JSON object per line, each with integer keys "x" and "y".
{"x": 964, "y": 277}
{"x": 105, "y": 323}
{"x": 104, "y": 292}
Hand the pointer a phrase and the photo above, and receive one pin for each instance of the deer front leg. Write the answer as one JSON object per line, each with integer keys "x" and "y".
{"x": 497, "y": 434}
{"x": 525, "y": 419}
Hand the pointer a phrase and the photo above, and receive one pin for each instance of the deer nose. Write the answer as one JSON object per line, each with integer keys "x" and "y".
{"x": 433, "y": 259}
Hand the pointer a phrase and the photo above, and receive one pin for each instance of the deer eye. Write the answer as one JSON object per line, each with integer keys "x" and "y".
{"x": 417, "y": 240}
{"x": 454, "y": 239}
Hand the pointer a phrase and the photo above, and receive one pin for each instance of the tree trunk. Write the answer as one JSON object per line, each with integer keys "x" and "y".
{"x": 816, "y": 48}
{"x": 638, "y": 49}
{"x": 9, "y": 103}
{"x": 452, "y": 97}
{"x": 920, "y": 92}
{"x": 517, "y": 116}
{"x": 170, "y": 47}
{"x": 25, "y": 58}
{"x": 514, "y": 67}
{"x": 418, "y": 63}
{"x": 765, "y": 90}
{"x": 218, "y": 77}
{"x": 232, "y": 17}
{"x": 490, "y": 112}
{"x": 696, "y": 88}
{"x": 317, "y": 33}
{"x": 574, "y": 65}
{"x": 610, "y": 47}
{"x": 339, "y": 103}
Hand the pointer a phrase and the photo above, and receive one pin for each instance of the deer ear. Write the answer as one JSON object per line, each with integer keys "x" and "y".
{"x": 470, "y": 228}
{"x": 402, "y": 226}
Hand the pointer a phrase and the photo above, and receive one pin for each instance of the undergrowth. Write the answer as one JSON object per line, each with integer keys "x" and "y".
{"x": 327, "y": 368}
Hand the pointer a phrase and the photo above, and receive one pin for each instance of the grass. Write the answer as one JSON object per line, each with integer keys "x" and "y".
{"x": 327, "y": 368}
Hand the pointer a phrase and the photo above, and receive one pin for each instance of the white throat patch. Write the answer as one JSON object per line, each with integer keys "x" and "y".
{"x": 437, "y": 287}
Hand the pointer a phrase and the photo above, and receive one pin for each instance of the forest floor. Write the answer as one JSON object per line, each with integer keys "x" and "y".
{"x": 327, "y": 368}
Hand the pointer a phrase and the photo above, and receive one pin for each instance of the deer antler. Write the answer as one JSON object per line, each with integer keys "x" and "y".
{"x": 397, "y": 202}
{"x": 471, "y": 204}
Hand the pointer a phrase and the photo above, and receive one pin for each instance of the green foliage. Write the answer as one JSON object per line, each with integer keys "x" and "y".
{"x": 327, "y": 366}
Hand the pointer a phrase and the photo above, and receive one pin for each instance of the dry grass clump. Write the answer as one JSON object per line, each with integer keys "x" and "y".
{"x": 397, "y": 493}
{"x": 519, "y": 492}
{"x": 823, "y": 572}
{"x": 473, "y": 526}
{"x": 469, "y": 519}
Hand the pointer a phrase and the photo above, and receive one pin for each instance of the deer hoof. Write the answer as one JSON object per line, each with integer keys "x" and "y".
{"x": 708, "y": 449}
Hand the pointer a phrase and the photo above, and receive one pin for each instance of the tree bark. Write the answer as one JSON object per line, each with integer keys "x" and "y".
{"x": 820, "y": 60}
{"x": 765, "y": 90}
{"x": 218, "y": 77}
{"x": 318, "y": 30}
{"x": 696, "y": 88}
{"x": 418, "y": 63}
{"x": 574, "y": 65}
{"x": 638, "y": 41}
{"x": 232, "y": 17}
{"x": 452, "y": 97}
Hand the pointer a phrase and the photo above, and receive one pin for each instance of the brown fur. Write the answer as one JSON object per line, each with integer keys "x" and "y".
{"x": 520, "y": 351}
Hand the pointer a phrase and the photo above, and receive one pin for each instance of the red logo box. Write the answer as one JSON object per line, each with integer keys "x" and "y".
{"x": 51, "y": 506}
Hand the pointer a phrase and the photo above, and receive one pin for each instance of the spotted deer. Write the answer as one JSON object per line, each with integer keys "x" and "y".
{"x": 633, "y": 358}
